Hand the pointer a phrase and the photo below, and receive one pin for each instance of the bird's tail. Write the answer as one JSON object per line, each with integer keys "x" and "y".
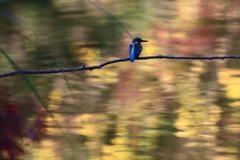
{"x": 132, "y": 57}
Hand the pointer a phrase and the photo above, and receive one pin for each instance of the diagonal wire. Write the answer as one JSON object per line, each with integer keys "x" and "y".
{"x": 27, "y": 81}
{"x": 111, "y": 17}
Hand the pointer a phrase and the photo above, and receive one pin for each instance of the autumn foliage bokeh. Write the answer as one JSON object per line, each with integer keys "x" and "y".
{"x": 15, "y": 125}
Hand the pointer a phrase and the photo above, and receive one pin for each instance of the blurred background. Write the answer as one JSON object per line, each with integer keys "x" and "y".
{"x": 158, "y": 109}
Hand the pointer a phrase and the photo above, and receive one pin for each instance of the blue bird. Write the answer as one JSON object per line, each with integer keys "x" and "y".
{"x": 135, "y": 48}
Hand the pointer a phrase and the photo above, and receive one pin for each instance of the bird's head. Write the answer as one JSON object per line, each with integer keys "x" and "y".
{"x": 138, "y": 40}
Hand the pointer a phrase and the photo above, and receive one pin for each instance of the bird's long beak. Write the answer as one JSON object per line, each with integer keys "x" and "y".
{"x": 144, "y": 40}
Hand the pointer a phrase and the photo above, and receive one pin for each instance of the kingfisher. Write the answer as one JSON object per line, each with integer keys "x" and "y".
{"x": 135, "y": 48}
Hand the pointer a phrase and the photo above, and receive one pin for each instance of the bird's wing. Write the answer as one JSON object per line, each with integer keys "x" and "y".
{"x": 138, "y": 49}
{"x": 134, "y": 51}
{"x": 130, "y": 49}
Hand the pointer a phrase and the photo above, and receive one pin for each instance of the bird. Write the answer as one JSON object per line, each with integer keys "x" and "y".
{"x": 135, "y": 48}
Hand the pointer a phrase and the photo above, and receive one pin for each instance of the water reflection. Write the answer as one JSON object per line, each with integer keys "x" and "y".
{"x": 149, "y": 109}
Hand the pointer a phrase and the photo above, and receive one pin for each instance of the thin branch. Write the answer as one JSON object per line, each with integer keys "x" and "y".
{"x": 109, "y": 62}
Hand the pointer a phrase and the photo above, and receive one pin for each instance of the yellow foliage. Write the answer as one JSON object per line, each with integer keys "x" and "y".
{"x": 233, "y": 128}
{"x": 149, "y": 48}
{"x": 91, "y": 57}
{"x": 229, "y": 78}
{"x": 46, "y": 151}
{"x": 88, "y": 125}
{"x": 235, "y": 104}
{"x": 103, "y": 75}
{"x": 184, "y": 7}
{"x": 55, "y": 97}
